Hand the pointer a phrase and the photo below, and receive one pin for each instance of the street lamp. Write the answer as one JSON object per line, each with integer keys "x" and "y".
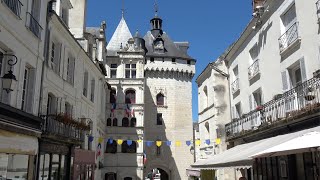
{"x": 9, "y": 80}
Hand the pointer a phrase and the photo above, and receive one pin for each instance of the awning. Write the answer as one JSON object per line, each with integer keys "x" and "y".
{"x": 15, "y": 143}
{"x": 241, "y": 156}
{"x": 304, "y": 143}
{"x": 193, "y": 172}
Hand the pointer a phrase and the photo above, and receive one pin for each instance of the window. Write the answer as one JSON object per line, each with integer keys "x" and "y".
{"x": 236, "y": 111}
{"x": 294, "y": 75}
{"x": 129, "y": 146}
{"x": 254, "y": 52}
{"x": 173, "y": 60}
{"x": 125, "y": 122}
{"x": 27, "y": 90}
{"x": 115, "y": 122}
{"x": 85, "y": 84}
{"x": 35, "y": 11}
{"x": 109, "y": 122}
{"x": 52, "y": 104}
{"x": 207, "y": 130}
{"x": 131, "y": 71}
{"x": 111, "y": 146}
{"x": 70, "y": 70}
{"x": 113, "y": 70}
{"x": 159, "y": 119}
{"x": 205, "y": 97}
{"x": 10, "y": 163}
{"x": 92, "y": 90}
{"x": 289, "y": 17}
{"x": 189, "y": 62}
{"x": 151, "y": 59}
{"x": 160, "y": 99}
{"x": 255, "y": 99}
{"x": 113, "y": 95}
{"x": 68, "y": 109}
{"x": 130, "y": 97}
{"x": 133, "y": 122}
{"x": 55, "y": 57}
{"x": 1, "y": 62}
{"x": 111, "y": 176}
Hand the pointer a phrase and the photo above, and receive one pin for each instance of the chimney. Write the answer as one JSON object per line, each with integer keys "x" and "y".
{"x": 257, "y": 4}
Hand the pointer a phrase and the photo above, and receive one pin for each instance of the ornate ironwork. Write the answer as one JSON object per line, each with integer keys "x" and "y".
{"x": 14, "y": 5}
{"x": 254, "y": 69}
{"x": 235, "y": 86}
{"x": 289, "y": 37}
{"x": 33, "y": 25}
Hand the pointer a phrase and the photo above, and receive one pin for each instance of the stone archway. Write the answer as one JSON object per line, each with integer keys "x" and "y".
{"x": 157, "y": 174}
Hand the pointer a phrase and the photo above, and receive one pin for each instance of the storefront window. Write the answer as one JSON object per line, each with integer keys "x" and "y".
{"x": 14, "y": 166}
{"x": 55, "y": 167}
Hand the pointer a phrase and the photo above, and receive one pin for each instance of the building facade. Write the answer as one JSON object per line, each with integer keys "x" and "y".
{"x": 273, "y": 69}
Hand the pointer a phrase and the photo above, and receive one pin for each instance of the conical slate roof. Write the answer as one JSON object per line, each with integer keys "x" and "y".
{"x": 121, "y": 35}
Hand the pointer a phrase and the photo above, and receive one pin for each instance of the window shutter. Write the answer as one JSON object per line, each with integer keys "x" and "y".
{"x": 250, "y": 102}
{"x": 72, "y": 69}
{"x": 36, "y": 6}
{"x": 303, "y": 70}
{"x": 57, "y": 57}
{"x": 30, "y": 90}
{"x": 285, "y": 83}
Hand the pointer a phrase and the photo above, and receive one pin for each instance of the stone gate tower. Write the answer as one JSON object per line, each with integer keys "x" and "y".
{"x": 168, "y": 102}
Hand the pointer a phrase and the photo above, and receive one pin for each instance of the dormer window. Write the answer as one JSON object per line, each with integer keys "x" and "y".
{"x": 158, "y": 46}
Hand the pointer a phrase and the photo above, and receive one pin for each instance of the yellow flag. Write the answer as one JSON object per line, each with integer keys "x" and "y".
{"x": 120, "y": 141}
{"x": 198, "y": 142}
{"x": 158, "y": 143}
{"x": 178, "y": 143}
{"x": 100, "y": 140}
{"x": 218, "y": 141}
{"x": 139, "y": 141}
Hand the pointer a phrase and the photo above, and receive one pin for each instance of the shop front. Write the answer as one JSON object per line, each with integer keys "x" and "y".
{"x": 83, "y": 164}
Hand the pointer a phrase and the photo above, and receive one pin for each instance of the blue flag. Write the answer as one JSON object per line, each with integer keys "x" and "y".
{"x": 129, "y": 142}
{"x": 188, "y": 143}
{"x": 149, "y": 143}
{"x": 208, "y": 141}
{"x": 168, "y": 143}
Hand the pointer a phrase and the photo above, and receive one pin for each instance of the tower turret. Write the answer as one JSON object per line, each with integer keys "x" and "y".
{"x": 156, "y": 23}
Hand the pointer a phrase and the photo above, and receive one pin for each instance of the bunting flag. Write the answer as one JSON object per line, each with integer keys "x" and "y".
{"x": 110, "y": 141}
{"x": 139, "y": 141}
{"x": 90, "y": 139}
{"x": 158, "y": 143}
{"x": 149, "y": 143}
{"x": 198, "y": 142}
{"x": 188, "y": 143}
{"x": 113, "y": 107}
{"x": 120, "y": 141}
{"x": 100, "y": 140}
{"x": 208, "y": 141}
{"x": 178, "y": 143}
{"x": 144, "y": 157}
{"x": 129, "y": 142}
{"x": 168, "y": 143}
{"x": 98, "y": 150}
{"x": 218, "y": 141}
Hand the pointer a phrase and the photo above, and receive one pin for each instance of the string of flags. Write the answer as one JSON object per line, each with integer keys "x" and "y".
{"x": 158, "y": 143}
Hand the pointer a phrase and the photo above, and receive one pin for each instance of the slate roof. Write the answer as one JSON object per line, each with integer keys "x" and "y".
{"x": 93, "y": 30}
{"x": 121, "y": 35}
{"x": 172, "y": 48}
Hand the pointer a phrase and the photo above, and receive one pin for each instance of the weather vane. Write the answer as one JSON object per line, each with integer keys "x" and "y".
{"x": 122, "y": 9}
{"x": 156, "y": 8}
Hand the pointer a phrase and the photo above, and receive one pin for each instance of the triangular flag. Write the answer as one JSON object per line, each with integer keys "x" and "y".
{"x": 188, "y": 143}
{"x": 100, "y": 140}
{"x": 90, "y": 138}
{"x": 120, "y": 141}
{"x": 198, "y": 142}
{"x": 168, "y": 143}
{"x": 218, "y": 141}
{"x": 129, "y": 142}
{"x": 158, "y": 143}
{"x": 208, "y": 141}
{"x": 178, "y": 143}
{"x": 139, "y": 141}
{"x": 149, "y": 143}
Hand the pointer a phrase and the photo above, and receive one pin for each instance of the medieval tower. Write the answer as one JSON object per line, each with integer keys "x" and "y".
{"x": 150, "y": 109}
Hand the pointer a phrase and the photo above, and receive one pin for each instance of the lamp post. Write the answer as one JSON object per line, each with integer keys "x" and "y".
{"x": 9, "y": 80}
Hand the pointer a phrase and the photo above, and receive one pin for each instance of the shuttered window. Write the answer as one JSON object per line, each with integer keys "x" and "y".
{"x": 70, "y": 70}
{"x": 28, "y": 90}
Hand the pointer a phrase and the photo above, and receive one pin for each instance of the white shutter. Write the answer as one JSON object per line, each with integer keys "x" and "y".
{"x": 30, "y": 90}
{"x": 250, "y": 102}
{"x": 285, "y": 82}
{"x": 303, "y": 70}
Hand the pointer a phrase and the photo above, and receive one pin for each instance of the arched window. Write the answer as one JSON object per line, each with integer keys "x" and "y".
{"x": 111, "y": 176}
{"x": 205, "y": 99}
{"x": 113, "y": 95}
{"x": 160, "y": 99}
{"x": 132, "y": 148}
{"x": 207, "y": 132}
{"x": 133, "y": 122}
{"x": 125, "y": 122}
{"x": 127, "y": 178}
{"x": 109, "y": 122}
{"x": 111, "y": 147}
{"x": 130, "y": 97}
{"x": 115, "y": 122}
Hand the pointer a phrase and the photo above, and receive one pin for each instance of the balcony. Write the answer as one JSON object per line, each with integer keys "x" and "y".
{"x": 235, "y": 87}
{"x": 289, "y": 37}
{"x": 318, "y": 10}
{"x": 253, "y": 70}
{"x": 33, "y": 25}
{"x": 14, "y": 5}
{"x": 60, "y": 126}
{"x": 292, "y": 106}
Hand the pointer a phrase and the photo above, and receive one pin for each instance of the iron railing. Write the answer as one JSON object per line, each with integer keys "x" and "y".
{"x": 289, "y": 37}
{"x": 235, "y": 86}
{"x": 14, "y": 5}
{"x": 318, "y": 10}
{"x": 53, "y": 126}
{"x": 33, "y": 25}
{"x": 254, "y": 69}
{"x": 300, "y": 101}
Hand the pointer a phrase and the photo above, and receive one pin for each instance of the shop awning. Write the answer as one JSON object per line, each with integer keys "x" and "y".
{"x": 241, "y": 156}
{"x": 193, "y": 172}
{"x": 304, "y": 143}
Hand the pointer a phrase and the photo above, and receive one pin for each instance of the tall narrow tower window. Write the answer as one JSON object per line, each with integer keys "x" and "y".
{"x": 113, "y": 71}
{"x": 159, "y": 119}
{"x": 160, "y": 99}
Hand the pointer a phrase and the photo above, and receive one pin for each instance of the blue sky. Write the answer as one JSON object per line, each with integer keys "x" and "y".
{"x": 210, "y": 26}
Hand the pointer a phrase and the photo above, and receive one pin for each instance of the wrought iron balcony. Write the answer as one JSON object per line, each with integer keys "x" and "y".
{"x": 33, "y": 25}
{"x": 64, "y": 127}
{"x": 14, "y": 5}
{"x": 235, "y": 86}
{"x": 289, "y": 37}
{"x": 301, "y": 101}
{"x": 254, "y": 69}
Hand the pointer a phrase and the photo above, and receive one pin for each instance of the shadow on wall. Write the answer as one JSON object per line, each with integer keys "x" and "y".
{"x": 157, "y": 157}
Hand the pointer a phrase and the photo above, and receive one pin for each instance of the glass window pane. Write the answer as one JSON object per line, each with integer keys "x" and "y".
{"x": 55, "y": 167}
{"x": 17, "y": 166}
{"x": 3, "y": 165}
{"x": 113, "y": 73}
{"x": 127, "y": 73}
{"x": 133, "y": 74}
{"x": 114, "y": 65}
{"x": 128, "y": 66}
{"x": 133, "y": 66}
{"x": 62, "y": 169}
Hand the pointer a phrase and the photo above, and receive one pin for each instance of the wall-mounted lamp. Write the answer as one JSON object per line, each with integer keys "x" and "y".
{"x": 9, "y": 80}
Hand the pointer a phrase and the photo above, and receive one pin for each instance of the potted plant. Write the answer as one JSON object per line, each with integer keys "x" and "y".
{"x": 309, "y": 96}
